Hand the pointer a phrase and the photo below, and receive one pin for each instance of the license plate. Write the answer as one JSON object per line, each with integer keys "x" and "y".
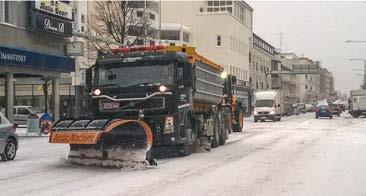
{"x": 109, "y": 105}
{"x": 263, "y": 118}
{"x": 90, "y": 137}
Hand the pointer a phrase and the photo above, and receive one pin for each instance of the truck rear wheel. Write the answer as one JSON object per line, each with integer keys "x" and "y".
{"x": 216, "y": 139}
{"x": 240, "y": 120}
{"x": 223, "y": 130}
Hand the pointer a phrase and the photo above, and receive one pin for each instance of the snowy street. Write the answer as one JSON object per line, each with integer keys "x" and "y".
{"x": 300, "y": 155}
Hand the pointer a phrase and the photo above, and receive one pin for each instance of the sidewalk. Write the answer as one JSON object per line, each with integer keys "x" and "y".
{"x": 22, "y": 131}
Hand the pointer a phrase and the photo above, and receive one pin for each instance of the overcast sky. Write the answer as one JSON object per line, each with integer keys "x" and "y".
{"x": 317, "y": 30}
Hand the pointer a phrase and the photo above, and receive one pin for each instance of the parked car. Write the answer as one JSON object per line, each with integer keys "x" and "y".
{"x": 323, "y": 111}
{"x": 21, "y": 114}
{"x": 302, "y": 108}
{"x": 336, "y": 110}
{"x": 295, "y": 109}
{"x": 8, "y": 139}
{"x": 309, "y": 107}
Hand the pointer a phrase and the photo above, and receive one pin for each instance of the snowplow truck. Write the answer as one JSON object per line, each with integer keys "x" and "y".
{"x": 145, "y": 99}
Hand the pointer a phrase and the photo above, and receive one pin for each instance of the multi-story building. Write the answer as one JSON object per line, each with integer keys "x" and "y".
{"x": 325, "y": 80}
{"x": 286, "y": 81}
{"x": 220, "y": 30}
{"x": 33, "y": 35}
{"x": 260, "y": 66}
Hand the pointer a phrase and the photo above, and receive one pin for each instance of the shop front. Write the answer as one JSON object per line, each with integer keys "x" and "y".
{"x": 22, "y": 79}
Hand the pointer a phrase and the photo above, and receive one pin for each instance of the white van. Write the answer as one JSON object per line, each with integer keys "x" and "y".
{"x": 268, "y": 105}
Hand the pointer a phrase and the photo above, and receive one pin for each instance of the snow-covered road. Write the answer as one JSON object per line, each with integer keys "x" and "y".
{"x": 300, "y": 155}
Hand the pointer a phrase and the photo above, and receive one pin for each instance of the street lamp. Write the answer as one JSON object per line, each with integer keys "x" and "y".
{"x": 355, "y": 41}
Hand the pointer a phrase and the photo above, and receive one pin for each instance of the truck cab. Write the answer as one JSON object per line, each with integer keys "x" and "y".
{"x": 153, "y": 86}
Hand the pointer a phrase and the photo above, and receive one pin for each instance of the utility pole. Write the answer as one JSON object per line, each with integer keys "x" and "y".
{"x": 281, "y": 39}
{"x": 159, "y": 22}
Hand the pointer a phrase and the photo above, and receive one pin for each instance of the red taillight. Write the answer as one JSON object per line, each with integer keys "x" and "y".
{"x": 14, "y": 126}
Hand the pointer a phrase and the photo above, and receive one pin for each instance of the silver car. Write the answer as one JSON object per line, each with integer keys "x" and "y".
{"x": 8, "y": 139}
{"x": 21, "y": 114}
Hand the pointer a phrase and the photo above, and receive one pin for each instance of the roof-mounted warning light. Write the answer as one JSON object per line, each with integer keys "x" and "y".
{"x": 137, "y": 49}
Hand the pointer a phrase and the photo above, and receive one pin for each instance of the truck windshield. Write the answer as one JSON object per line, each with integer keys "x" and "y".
{"x": 264, "y": 103}
{"x": 138, "y": 73}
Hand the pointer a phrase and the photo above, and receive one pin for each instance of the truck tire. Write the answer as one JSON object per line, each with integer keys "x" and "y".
{"x": 223, "y": 130}
{"x": 239, "y": 127}
{"x": 186, "y": 148}
{"x": 216, "y": 138}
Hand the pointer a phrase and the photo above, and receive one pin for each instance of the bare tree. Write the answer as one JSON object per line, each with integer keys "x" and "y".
{"x": 124, "y": 22}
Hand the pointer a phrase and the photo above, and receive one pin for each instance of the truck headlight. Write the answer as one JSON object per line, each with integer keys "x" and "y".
{"x": 255, "y": 112}
{"x": 272, "y": 112}
{"x": 169, "y": 125}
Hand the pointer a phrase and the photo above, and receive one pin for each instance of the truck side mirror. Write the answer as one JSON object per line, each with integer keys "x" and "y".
{"x": 89, "y": 77}
{"x": 279, "y": 105}
{"x": 188, "y": 74}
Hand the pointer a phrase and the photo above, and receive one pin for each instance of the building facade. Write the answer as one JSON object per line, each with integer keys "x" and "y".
{"x": 33, "y": 36}
{"x": 227, "y": 42}
{"x": 260, "y": 65}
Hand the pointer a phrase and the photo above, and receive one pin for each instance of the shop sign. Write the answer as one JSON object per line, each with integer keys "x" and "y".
{"x": 57, "y": 8}
{"x": 22, "y": 57}
{"x": 51, "y": 24}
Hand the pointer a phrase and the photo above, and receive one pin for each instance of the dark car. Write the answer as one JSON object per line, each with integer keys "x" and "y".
{"x": 302, "y": 108}
{"x": 336, "y": 110}
{"x": 323, "y": 111}
{"x": 8, "y": 139}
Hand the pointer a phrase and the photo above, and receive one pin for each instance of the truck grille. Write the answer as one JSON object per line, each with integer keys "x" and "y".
{"x": 149, "y": 104}
{"x": 263, "y": 112}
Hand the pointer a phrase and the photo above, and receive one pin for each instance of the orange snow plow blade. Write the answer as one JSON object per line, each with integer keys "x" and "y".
{"x": 111, "y": 143}
{"x": 77, "y": 137}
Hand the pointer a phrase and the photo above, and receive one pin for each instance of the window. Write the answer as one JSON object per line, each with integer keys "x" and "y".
{"x": 229, "y": 3}
{"x": 22, "y": 111}
{"x": 222, "y": 3}
{"x": 185, "y": 37}
{"x": 154, "y": 6}
{"x": 306, "y": 86}
{"x": 82, "y": 18}
{"x": 218, "y": 40}
{"x": 139, "y": 13}
{"x": 152, "y": 16}
{"x": 5, "y": 12}
{"x": 216, "y": 3}
{"x": 209, "y": 3}
{"x": 82, "y": 29}
{"x": 306, "y": 76}
{"x": 216, "y": 9}
{"x": 136, "y": 4}
{"x": 170, "y": 35}
{"x": 223, "y": 9}
{"x": 209, "y": 9}
{"x": 229, "y": 9}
